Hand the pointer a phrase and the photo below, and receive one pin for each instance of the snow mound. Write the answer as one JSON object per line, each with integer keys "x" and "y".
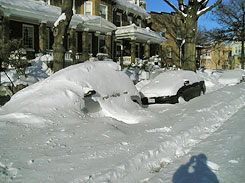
{"x": 65, "y": 91}
{"x": 231, "y": 77}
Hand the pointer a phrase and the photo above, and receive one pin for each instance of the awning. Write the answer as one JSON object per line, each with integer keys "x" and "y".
{"x": 140, "y": 34}
{"x": 37, "y": 12}
{"x": 131, "y": 8}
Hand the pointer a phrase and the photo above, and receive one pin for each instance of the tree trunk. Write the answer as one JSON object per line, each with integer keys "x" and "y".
{"x": 189, "y": 57}
{"x": 60, "y": 32}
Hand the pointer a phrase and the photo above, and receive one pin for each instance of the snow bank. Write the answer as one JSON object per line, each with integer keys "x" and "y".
{"x": 64, "y": 91}
{"x": 231, "y": 77}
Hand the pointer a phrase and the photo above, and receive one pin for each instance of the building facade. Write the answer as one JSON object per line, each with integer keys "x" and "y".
{"x": 216, "y": 56}
{"x": 117, "y": 28}
{"x": 171, "y": 27}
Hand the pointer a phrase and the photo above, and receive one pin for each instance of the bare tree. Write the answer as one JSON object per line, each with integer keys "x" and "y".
{"x": 231, "y": 17}
{"x": 60, "y": 33}
{"x": 190, "y": 14}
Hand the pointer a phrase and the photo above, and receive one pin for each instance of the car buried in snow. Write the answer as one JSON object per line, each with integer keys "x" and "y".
{"x": 173, "y": 87}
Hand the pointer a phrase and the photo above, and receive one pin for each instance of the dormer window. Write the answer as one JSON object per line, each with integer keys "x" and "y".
{"x": 88, "y": 8}
{"x": 103, "y": 11}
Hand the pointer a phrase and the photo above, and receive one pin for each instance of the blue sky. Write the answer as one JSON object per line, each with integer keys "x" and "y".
{"x": 161, "y": 6}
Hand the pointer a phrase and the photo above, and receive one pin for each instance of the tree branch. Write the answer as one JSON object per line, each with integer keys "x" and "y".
{"x": 205, "y": 10}
{"x": 176, "y": 9}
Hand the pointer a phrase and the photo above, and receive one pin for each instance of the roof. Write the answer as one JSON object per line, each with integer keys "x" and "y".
{"x": 40, "y": 12}
{"x": 131, "y": 8}
{"x": 141, "y": 34}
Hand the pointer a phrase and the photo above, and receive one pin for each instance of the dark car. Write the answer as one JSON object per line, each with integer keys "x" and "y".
{"x": 173, "y": 87}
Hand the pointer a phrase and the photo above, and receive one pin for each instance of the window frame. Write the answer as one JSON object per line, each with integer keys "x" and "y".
{"x": 169, "y": 52}
{"x": 120, "y": 15}
{"x": 106, "y": 11}
{"x": 85, "y": 7}
{"x": 100, "y": 37}
{"x": 31, "y": 48}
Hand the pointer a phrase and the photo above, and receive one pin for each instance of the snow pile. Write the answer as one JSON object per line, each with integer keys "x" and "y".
{"x": 64, "y": 92}
{"x": 211, "y": 79}
{"x": 168, "y": 83}
{"x": 231, "y": 77}
{"x": 130, "y": 7}
{"x": 37, "y": 72}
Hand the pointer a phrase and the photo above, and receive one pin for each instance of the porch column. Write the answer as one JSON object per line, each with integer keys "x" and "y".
{"x": 85, "y": 55}
{"x": 73, "y": 45}
{"x": 133, "y": 49}
{"x": 5, "y": 35}
{"x": 147, "y": 49}
{"x": 108, "y": 44}
{"x": 42, "y": 37}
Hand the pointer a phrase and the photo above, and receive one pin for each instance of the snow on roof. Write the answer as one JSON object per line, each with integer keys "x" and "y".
{"x": 168, "y": 83}
{"x": 47, "y": 13}
{"x": 143, "y": 34}
{"x": 65, "y": 90}
{"x": 131, "y": 8}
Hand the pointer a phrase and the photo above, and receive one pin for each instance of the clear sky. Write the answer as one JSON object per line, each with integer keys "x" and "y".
{"x": 161, "y": 6}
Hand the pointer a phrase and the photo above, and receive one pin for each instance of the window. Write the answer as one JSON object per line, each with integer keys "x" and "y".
{"x": 137, "y": 50}
{"x": 103, "y": 11}
{"x": 118, "y": 20}
{"x": 178, "y": 33}
{"x": 88, "y": 8}
{"x": 163, "y": 33}
{"x": 101, "y": 48}
{"x": 169, "y": 51}
{"x": 119, "y": 48}
{"x": 47, "y": 39}
{"x": 130, "y": 20}
{"x": 28, "y": 36}
{"x": 90, "y": 42}
{"x": 138, "y": 22}
{"x": 0, "y": 33}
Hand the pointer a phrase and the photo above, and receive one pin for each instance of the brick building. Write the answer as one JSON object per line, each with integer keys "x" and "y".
{"x": 115, "y": 27}
{"x": 170, "y": 26}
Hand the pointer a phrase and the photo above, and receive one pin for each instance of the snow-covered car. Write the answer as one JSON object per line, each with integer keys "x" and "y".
{"x": 173, "y": 87}
{"x": 232, "y": 77}
{"x": 91, "y": 87}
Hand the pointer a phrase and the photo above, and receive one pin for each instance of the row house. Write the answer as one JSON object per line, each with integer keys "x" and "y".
{"x": 117, "y": 28}
{"x": 171, "y": 27}
{"x": 216, "y": 55}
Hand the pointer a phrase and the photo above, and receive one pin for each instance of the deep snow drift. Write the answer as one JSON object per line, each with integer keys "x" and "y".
{"x": 47, "y": 137}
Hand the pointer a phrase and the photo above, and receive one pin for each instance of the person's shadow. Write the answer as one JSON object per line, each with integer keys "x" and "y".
{"x": 195, "y": 171}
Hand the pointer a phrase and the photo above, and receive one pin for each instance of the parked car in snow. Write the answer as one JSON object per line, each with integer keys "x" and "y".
{"x": 232, "y": 77}
{"x": 173, "y": 87}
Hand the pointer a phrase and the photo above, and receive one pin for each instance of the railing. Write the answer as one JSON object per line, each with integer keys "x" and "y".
{"x": 68, "y": 56}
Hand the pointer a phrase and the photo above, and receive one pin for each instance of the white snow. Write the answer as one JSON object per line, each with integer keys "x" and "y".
{"x": 62, "y": 17}
{"x": 168, "y": 83}
{"x": 48, "y": 136}
{"x": 232, "y": 77}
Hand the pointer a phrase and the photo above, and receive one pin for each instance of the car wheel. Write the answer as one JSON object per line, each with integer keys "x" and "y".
{"x": 181, "y": 100}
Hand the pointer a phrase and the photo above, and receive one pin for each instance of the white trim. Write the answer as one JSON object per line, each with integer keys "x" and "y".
{"x": 32, "y": 35}
{"x": 85, "y": 5}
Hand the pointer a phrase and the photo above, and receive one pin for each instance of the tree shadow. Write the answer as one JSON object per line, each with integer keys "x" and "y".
{"x": 195, "y": 171}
